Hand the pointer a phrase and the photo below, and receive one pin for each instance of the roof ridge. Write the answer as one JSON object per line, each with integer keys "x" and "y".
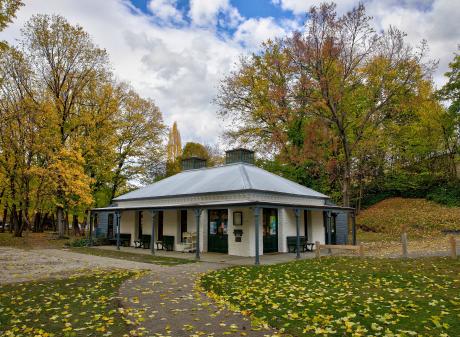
{"x": 245, "y": 176}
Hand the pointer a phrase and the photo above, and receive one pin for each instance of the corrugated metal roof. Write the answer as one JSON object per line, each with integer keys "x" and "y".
{"x": 227, "y": 178}
{"x": 225, "y": 203}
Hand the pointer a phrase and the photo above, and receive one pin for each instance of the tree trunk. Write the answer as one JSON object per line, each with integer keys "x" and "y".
{"x": 116, "y": 180}
{"x": 66, "y": 222}
{"x": 19, "y": 225}
{"x": 53, "y": 222}
{"x": 358, "y": 206}
{"x": 85, "y": 223}
{"x": 5, "y": 216}
{"x": 60, "y": 221}
{"x": 76, "y": 227}
{"x": 346, "y": 188}
{"x": 13, "y": 218}
{"x": 346, "y": 183}
{"x": 37, "y": 221}
{"x": 44, "y": 220}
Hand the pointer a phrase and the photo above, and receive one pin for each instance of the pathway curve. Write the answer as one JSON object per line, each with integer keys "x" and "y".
{"x": 172, "y": 307}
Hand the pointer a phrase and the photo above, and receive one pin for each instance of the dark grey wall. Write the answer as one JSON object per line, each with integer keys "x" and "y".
{"x": 342, "y": 228}
{"x": 102, "y": 226}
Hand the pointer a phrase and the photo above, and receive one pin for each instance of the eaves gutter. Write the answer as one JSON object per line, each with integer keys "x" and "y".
{"x": 223, "y": 204}
{"x": 251, "y": 190}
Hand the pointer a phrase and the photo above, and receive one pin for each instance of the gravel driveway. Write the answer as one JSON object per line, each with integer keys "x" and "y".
{"x": 166, "y": 295}
{"x": 18, "y": 265}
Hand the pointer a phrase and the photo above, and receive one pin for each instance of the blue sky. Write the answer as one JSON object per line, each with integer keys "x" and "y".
{"x": 247, "y": 8}
{"x": 177, "y": 51}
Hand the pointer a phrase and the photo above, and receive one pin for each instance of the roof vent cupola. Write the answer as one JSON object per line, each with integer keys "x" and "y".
{"x": 193, "y": 163}
{"x": 239, "y": 155}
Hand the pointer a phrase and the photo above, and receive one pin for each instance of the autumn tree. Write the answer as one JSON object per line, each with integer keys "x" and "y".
{"x": 174, "y": 151}
{"x": 70, "y": 134}
{"x": 337, "y": 71}
{"x": 66, "y": 62}
{"x": 450, "y": 92}
{"x": 21, "y": 127}
{"x": 8, "y": 9}
{"x": 139, "y": 137}
{"x": 192, "y": 149}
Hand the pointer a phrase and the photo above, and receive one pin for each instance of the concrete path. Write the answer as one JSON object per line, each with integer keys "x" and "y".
{"x": 220, "y": 258}
{"x": 173, "y": 307}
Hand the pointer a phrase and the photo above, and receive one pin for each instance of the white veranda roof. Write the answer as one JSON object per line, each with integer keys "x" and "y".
{"x": 228, "y": 178}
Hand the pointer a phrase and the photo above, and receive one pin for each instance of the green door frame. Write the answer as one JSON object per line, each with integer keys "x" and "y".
{"x": 217, "y": 242}
{"x": 270, "y": 242}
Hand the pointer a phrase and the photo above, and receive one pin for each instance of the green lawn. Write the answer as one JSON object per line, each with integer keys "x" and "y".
{"x": 347, "y": 296}
{"x": 137, "y": 257}
{"x": 77, "y": 306}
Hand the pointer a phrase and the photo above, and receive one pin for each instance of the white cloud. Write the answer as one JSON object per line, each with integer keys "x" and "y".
{"x": 166, "y": 10}
{"x": 436, "y": 21}
{"x": 252, "y": 32}
{"x": 301, "y": 7}
{"x": 180, "y": 65}
{"x": 205, "y": 13}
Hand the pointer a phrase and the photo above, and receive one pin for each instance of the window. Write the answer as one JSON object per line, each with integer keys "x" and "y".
{"x": 218, "y": 221}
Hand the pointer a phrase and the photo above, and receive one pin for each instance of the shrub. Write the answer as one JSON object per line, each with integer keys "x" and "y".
{"x": 448, "y": 195}
{"x": 82, "y": 242}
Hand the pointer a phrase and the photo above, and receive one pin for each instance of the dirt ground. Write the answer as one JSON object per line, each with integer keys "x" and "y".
{"x": 382, "y": 245}
{"x": 19, "y": 265}
{"x": 31, "y": 240}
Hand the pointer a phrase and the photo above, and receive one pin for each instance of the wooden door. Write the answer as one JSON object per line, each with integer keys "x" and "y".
{"x": 183, "y": 224}
{"x": 160, "y": 226}
{"x": 330, "y": 228}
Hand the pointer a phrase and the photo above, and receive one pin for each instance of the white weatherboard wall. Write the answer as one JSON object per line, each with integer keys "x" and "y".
{"x": 170, "y": 223}
{"x": 249, "y": 224}
{"x": 247, "y": 245}
{"x": 317, "y": 227}
{"x": 287, "y": 227}
{"x": 127, "y": 221}
{"x": 147, "y": 222}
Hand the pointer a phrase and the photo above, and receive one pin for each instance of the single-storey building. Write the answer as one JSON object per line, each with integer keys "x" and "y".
{"x": 237, "y": 209}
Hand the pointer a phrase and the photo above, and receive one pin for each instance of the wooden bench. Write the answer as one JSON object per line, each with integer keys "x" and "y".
{"x": 304, "y": 245}
{"x": 143, "y": 242}
{"x": 358, "y": 248}
{"x": 125, "y": 240}
{"x": 166, "y": 244}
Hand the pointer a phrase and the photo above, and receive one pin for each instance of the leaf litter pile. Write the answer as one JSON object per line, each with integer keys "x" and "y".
{"x": 75, "y": 306}
{"x": 346, "y": 296}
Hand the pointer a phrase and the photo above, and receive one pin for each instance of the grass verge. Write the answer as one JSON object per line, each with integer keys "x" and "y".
{"x": 346, "y": 296}
{"x": 76, "y": 306}
{"x": 145, "y": 258}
